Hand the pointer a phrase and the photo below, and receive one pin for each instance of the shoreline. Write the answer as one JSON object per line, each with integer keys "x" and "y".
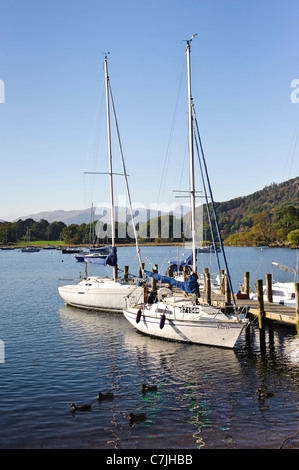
{"x": 55, "y": 245}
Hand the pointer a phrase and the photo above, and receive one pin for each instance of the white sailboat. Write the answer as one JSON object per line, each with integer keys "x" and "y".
{"x": 104, "y": 293}
{"x": 92, "y": 250}
{"x": 29, "y": 248}
{"x": 174, "y": 316}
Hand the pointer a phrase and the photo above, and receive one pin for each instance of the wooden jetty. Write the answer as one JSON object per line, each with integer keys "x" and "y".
{"x": 266, "y": 312}
{"x": 275, "y": 312}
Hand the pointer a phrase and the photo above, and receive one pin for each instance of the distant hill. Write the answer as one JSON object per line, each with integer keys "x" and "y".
{"x": 269, "y": 216}
{"x": 264, "y": 217}
{"x": 84, "y": 216}
{"x": 68, "y": 217}
{"x": 238, "y": 212}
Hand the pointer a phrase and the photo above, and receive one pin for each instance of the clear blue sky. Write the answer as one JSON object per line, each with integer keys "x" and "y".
{"x": 244, "y": 59}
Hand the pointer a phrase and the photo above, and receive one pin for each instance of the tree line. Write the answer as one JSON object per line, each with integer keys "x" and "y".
{"x": 14, "y": 232}
{"x": 276, "y": 229}
{"x": 267, "y": 217}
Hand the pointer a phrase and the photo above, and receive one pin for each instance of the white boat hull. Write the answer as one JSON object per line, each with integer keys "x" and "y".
{"x": 101, "y": 294}
{"x": 189, "y": 327}
{"x": 283, "y": 293}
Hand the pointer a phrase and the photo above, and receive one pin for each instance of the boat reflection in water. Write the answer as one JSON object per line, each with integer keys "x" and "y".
{"x": 190, "y": 380}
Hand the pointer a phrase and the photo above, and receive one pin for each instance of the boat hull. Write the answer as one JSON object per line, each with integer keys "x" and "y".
{"x": 283, "y": 293}
{"x": 100, "y": 294}
{"x": 206, "y": 332}
{"x": 30, "y": 250}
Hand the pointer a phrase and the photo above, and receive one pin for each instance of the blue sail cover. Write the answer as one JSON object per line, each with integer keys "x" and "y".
{"x": 190, "y": 286}
{"x": 178, "y": 265}
{"x": 110, "y": 260}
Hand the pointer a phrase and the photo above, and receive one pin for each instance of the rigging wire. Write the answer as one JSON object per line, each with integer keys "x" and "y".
{"x": 166, "y": 160}
{"x": 294, "y": 145}
{"x": 94, "y": 143}
{"x": 207, "y": 202}
{"x": 183, "y": 163}
{"x": 214, "y": 211}
{"x": 126, "y": 176}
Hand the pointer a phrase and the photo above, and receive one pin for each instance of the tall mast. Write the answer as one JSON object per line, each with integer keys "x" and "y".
{"x": 110, "y": 163}
{"x": 191, "y": 155}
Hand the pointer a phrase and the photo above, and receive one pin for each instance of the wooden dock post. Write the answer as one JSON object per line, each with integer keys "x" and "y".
{"x": 170, "y": 271}
{"x": 269, "y": 287}
{"x": 126, "y": 273}
{"x": 248, "y": 334}
{"x": 246, "y": 283}
{"x": 261, "y": 316}
{"x": 297, "y": 306}
{"x": 205, "y": 273}
{"x": 270, "y": 299}
{"x": 227, "y": 291}
{"x": 154, "y": 281}
{"x": 170, "y": 274}
{"x": 208, "y": 288}
{"x": 222, "y": 277}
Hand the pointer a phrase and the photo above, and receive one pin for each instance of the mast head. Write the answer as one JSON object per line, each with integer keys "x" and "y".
{"x": 106, "y": 54}
{"x": 189, "y": 40}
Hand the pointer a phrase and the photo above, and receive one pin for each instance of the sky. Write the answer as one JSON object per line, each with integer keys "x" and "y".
{"x": 244, "y": 65}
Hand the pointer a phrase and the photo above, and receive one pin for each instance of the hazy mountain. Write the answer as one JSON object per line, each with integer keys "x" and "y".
{"x": 122, "y": 214}
{"x": 68, "y": 217}
{"x": 234, "y": 216}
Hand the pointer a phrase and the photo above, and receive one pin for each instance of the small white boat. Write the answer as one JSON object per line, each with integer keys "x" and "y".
{"x": 100, "y": 252}
{"x": 283, "y": 293}
{"x": 70, "y": 250}
{"x": 101, "y": 293}
{"x": 80, "y": 256}
{"x": 29, "y": 248}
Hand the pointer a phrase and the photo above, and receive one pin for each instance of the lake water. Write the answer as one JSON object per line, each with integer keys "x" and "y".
{"x": 206, "y": 397}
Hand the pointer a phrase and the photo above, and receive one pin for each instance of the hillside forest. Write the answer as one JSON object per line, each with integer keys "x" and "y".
{"x": 267, "y": 217}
